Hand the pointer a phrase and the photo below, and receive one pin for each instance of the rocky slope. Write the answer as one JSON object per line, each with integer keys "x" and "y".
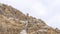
{"x": 13, "y": 21}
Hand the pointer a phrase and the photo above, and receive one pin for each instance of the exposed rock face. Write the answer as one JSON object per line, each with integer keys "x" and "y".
{"x": 12, "y": 21}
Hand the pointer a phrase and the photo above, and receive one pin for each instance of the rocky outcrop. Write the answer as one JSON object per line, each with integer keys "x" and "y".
{"x": 13, "y": 21}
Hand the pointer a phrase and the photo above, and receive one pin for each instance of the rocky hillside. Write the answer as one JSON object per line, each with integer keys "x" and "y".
{"x": 13, "y": 21}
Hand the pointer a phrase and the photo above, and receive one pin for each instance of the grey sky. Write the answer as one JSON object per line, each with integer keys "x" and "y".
{"x": 47, "y": 10}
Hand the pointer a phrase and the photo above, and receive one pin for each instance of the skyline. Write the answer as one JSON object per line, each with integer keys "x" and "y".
{"x": 47, "y": 10}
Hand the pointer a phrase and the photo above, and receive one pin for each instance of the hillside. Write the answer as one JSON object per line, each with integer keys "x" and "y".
{"x": 13, "y": 21}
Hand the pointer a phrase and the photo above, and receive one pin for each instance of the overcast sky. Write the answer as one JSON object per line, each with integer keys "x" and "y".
{"x": 47, "y": 10}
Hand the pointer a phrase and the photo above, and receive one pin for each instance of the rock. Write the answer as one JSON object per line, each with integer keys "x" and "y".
{"x": 13, "y": 21}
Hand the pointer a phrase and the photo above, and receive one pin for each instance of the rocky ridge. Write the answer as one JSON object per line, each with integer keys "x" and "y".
{"x": 13, "y": 21}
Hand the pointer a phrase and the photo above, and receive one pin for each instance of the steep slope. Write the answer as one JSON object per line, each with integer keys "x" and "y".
{"x": 10, "y": 20}
{"x": 13, "y": 21}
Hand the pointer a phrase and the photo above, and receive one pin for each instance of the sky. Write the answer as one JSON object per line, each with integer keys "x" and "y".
{"x": 47, "y": 10}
